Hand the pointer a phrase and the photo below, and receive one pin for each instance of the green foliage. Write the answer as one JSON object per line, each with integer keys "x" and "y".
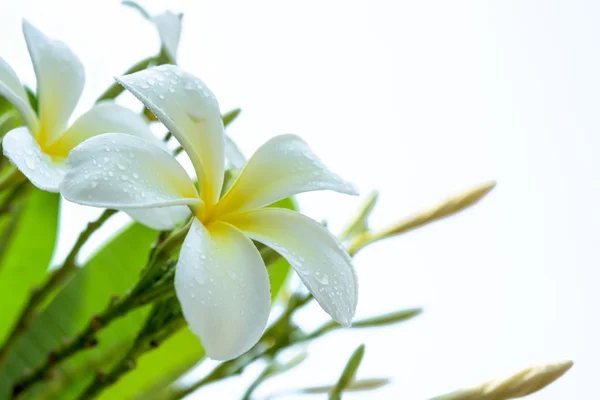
{"x": 27, "y": 255}
{"x": 110, "y": 272}
{"x": 348, "y": 374}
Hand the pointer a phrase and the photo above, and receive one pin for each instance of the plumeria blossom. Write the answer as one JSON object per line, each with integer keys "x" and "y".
{"x": 39, "y": 149}
{"x": 221, "y": 280}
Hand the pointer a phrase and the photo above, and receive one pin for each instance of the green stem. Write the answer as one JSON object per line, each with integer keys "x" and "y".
{"x": 135, "y": 299}
{"x": 11, "y": 179}
{"x": 38, "y": 296}
{"x": 145, "y": 341}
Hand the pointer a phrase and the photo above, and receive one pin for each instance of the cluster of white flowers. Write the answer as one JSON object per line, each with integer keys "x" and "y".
{"x": 109, "y": 158}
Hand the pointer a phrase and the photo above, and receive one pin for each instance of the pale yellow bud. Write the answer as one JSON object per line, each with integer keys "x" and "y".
{"x": 523, "y": 383}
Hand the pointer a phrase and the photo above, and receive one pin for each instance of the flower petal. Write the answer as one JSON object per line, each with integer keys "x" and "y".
{"x": 162, "y": 219}
{"x": 104, "y": 117}
{"x": 23, "y": 151}
{"x": 190, "y": 111}
{"x": 321, "y": 262}
{"x": 115, "y": 170}
{"x": 223, "y": 287}
{"x": 233, "y": 154}
{"x": 12, "y": 90}
{"x": 282, "y": 167}
{"x": 169, "y": 30}
{"x": 60, "y": 80}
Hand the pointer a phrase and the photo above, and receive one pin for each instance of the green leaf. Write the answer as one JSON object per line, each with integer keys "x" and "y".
{"x": 230, "y": 116}
{"x": 387, "y": 319}
{"x": 348, "y": 374}
{"x": 111, "y": 271}
{"x": 33, "y": 101}
{"x": 27, "y": 255}
{"x": 183, "y": 350}
{"x": 356, "y": 386}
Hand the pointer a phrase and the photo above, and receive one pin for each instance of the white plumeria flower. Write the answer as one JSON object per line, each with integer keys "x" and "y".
{"x": 39, "y": 149}
{"x": 221, "y": 280}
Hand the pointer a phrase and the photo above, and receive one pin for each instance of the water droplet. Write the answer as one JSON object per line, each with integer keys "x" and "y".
{"x": 231, "y": 274}
{"x": 29, "y": 163}
{"x": 121, "y": 167}
{"x": 323, "y": 280}
{"x": 135, "y": 175}
{"x": 123, "y": 177}
{"x": 131, "y": 155}
{"x": 94, "y": 184}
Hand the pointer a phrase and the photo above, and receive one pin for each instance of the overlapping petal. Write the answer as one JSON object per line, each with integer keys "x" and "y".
{"x": 23, "y": 151}
{"x": 160, "y": 218}
{"x": 282, "y": 167}
{"x": 233, "y": 154}
{"x": 190, "y": 111}
{"x": 105, "y": 117}
{"x": 321, "y": 262}
{"x": 60, "y": 80}
{"x": 169, "y": 30}
{"x": 12, "y": 90}
{"x": 223, "y": 287}
{"x": 123, "y": 171}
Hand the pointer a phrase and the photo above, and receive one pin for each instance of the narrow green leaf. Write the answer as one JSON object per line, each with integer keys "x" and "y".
{"x": 348, "y": 374}
{"x": 230, "y": 116}
{"x": 27, "y": 255}
{"x": 278, "y": 368}
{"x": 33, "y": 101}
{"x": 111, "y": 271}
{"x": 387, "y": 319}
{"x": 380, "y": 320}
{"x": 356, "y": 386}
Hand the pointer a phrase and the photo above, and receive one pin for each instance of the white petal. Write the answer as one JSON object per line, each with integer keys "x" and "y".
{"x": 60, "y": 80}
{"x": 104, "y": 117}
{"x": 234, "y": 156}
{"x": 23, "y": 151}
{"x": 160, "y": 218}
{"x": 282, "y": 167}
{"x": 321, "y": 262}
{"x": 115, "y": 170}
{"x": 223, "y": 287}
{"x": 190, "y": 111}
{"x": 169, "y": 30}
{"x": 12, "y": 90}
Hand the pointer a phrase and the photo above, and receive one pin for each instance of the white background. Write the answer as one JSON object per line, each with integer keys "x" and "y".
{"x": 417, "y": 99}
